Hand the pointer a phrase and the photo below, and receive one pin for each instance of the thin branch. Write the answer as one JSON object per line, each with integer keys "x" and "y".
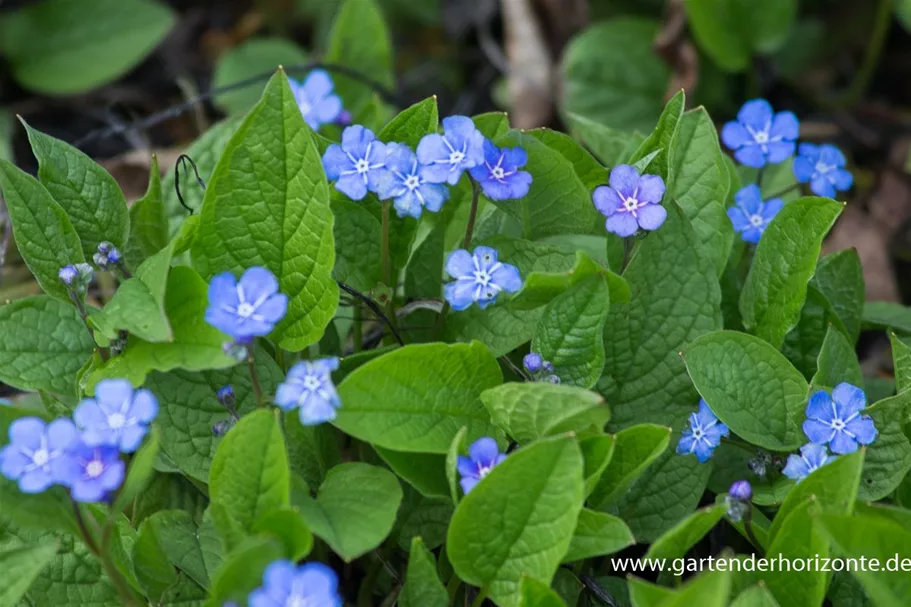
{"x": 374, "y": 307}
{"x": 182, "y": 161}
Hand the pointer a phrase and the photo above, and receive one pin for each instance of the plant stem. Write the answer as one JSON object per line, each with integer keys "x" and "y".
{"x": 357, "y": 332}
{"x": 84, "y": 315}
{"x": 781, "y": 193}
{"x": 479, "y": 600}
{"x": 254, "y": 378}
{"x": 466, "y": 242}
{"x": 365, "y": 596}
{"x": 386, "y": 255}
{"x": 748, "y": 527}
{"x": 878, "y": 37}
{"x": 126, "y": 593}
{"x": 453, "y": 587}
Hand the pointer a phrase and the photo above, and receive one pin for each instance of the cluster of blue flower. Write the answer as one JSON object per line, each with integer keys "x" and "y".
{"x": 83, "y": 456}
{"x": 834, "y": 420}
{"x": 316, "y": 100}
{"x": 761, "y": 136}
{"x": 284, "y": 584}
{"x": 540, "y": 369}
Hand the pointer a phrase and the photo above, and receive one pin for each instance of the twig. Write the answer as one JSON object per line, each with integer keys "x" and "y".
{"x": 374, "y": 307}
{"x": 182, "y": 161}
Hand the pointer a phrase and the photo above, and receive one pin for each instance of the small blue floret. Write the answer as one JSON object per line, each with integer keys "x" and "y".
{"x": 823, "y": 167}
{"x": 703, "y": 435}
{"x": 480, "y": 278}
{"x": 759, "y": 136}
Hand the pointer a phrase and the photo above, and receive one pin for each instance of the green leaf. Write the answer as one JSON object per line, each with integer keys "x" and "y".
{"x": 189, "y": 548}
{"x": 360, "y": 40}
{"x": 148, "y": 220}
{"x": 887, "y": 315}
{"x": 289, "y": 230}
{"x": 655, "y": 151}
{"x": 357, "y": 234}
{"x": 84, "y": 189}
{"x": 755, "y": 596}
{"x": 41, "y": 228}
{"x": 288, "y": 526}
{"x": 840, "y": 278}
{"x": 532, "y": 410}
{"x": 44, "y": 345}
{"x": 354, "y": 509}
{"x": 458, "y": 446}
{"x": 676, "y": 298}
{"x": 150, "y": 562}
{"x": 429, "y": 392}
{"x": 862, "y": 536}
{"x": 312, "y": 450}
{"x": 423, "y": 587}
{"x": 252, "y": 58}
{"x": 635, "y": 449}
{"x": 596, "y": 534}
{"x": 762, "y": 398}
{"x": 731, "y": 31}
{"x": 196, "y": 346}
{"x": 589, "y": 171}
{"x": 610, "y": 145}
{"x": 647, "y": 594}
{"x": 677, "y": 541}
{"x": 422, "y": 517}
{"x": 537, "y": 594}
{"x": 492, "y": 124}
{"x": 901, "y": 361}
{"x": 570, "y": 333}
{"x": 837, "y": 362}
{"x": 540, "y": 288}
{"x": 785, "y": 259}
{"x": 142, "y": 467}
{"x": 423, "y": 471}
{"x": 249, "y": 475}
{"x": 519, "y": 520}
{"x": 19, "y": 567}
{"x": 413, "y": 123}
{"x": 613, "y": 77}
{"x": 242, "y": 571}
{"x": 802, "y": 343}
{"x": 888, "y": 459}
{"x": 597, "y": 451}
{"x": 62, "y": 48}
{"x": 708, "y": 589}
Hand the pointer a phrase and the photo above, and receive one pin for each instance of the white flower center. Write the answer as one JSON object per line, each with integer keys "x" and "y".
{"x": 116, "y": 421}
{"x": 40, "y": 457}
{"x": 482, "y": 277}
{"x": 245, "y": 310}
{"x": 311, "y": 382}
{"x": 362, "y": 166}
{"x": 94, "y": 468}
{"x": 297, "y": 601}
{"x": 412, "y": 182}
{"x": 304, "y": 107}
{"x": 823, "y": 168}
{"x": 456, "y": 156}
{"x": 698, "y": 434}
{"x": 630, "y": 204}
{"x": 484, "y": 471}
{"x": 761, "y": 137}
{"x": 756, "y": 220}
{"x": 838, "y": 424}
{"x": 498, "y": 172}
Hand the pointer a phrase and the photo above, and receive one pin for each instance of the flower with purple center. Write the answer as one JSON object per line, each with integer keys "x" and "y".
{"x": 760, "y": 136}
{"x": 402, "y": 182}
{"x": 287, "y": 585}
{"x": 630, "y": 201}
{"x": 90, "y": 472}
{"x": 358, "y": 165}
{"x": 309, "y": 388}
{"x": 751, "y": 216}
{"x": 703, "y": 435}
{"x": 314, "y": 97}
{"x": 33, "y": 448}
{"x": 837, "y": 421}
{"x": 483, "y": 456}
{"x": 479, "y": 278}
{"x": 823, "y": 167}
{"x": 499, "y": 174}
{"x": 445, "y": 157}
{"x": 247, "y": 308}
{"x": 118, "y": 416}
{"x": 812, "y": 457}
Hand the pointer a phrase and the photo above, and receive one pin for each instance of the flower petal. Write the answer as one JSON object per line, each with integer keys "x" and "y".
{"x": 319, "y": 582}
{"x": 352, "y": 186}
{"x": 786, "y": 126}
{"x": 817, "y": 431}
{"x": 831, "y": 155}
{"x": 507, "y": 277}
{"x": 460, "y": 263}
{"x": 88, "y": 414}
{"x": 651, "y": 189}
{"x": 796, "y": 468}
{"x": 820, "y": 406}
{"x": 652, "y": 216}
{"x": 841, "y": 443}
{"x": 779, "y": 151}
{"x": 460, "y": 294}
{"x": 335, "y": 160}
{"x": 756, "y": 114}
{"x": 622, "y": 224}
{"x": 843, "y": 179}
{"x": 863, "y": 429}
{"x": 771, "y": 208}
{"x": 751, "y": 155}
{"x": 803, "y": 168}
{"x": 625, "y": 179}
{"x": 739, "y": 219}
{"x": 317, "y": 85}
{"x": 35, "y": 481}
{"x": 61, "y": 433}
{"x": 848, "y": 399}
{"x": 606, "y": 200}
{"x": 484, "y": 451}
{"x": 258, "y": 282}
{"x": 821, "y": 186}
{"x": 274, "y": 308}
{"x": 735, "y": 136}
{"x": 27, "y": 432}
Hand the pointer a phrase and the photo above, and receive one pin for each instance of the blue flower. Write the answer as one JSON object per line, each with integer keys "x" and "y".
{"x": 33, "y": 448}
{"x": 533, "y": 362}
{"x": 837, "y": 420}
{"x": 499, "y": 174}
{"x": 444, "y": 157}
{"x": 823, "y": 166}
{"x": 631, "y": 202}
{"x": 741, "y": 490}
{"x": 309, "y": 387}
{"x": 225, "y": 395}
{"x": 90, "y": 472}
{"x": 314, "y": 97}
{"x": 703, "y": 435}
{"x": 248, "y": 308}
{"x": 117, "y": 416}
{"x": 760, "y": 136}
{"x": 751, "y": 216}
{"x": 403, "y": 183}
{"x": 479, "y": 278}
{"x": 284, "y": 585}
{"x": 358, "y": 165}
{"x": 483, "y": 456}
{"x": 812, "y": 457}
{"x": 67, "y": 274}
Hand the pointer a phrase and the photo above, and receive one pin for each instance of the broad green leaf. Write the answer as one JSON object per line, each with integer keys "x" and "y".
{"x": 196, "y": 346}
{"x": 312, "y": 450}
{"x": 613, "y": 77}
{"x": 608, "y": 144}
{"x": 288, "y": 526}
{"x": 429, "y": 392}
{"x": 901, "y": 361}
{"x": 762, "y": 398}
{"x": 676, "y": 298}
{"x": 410, "y": 126}
{"x": 732, "y": 31}
{"x": 62, "y": 48}
{"x": 755, "y": 596}
{"x": 570, "y": 333}
{"x": 837, "y": 362}
{"x": 426, "y": 472}
{"x": 635, "y": 449}
{"x": 589, "y": 171}
{"x": 519, "y": 520}
{"x": 532, "y": 410}
{"x": 141, "y": 470}
{"x": 887, "y": 315}
{"x": 354, "y": 509}
{"x": 169, "y": 491}
{"x": 289, "y": 230}
{"x": 423, "y": 587}
{"x": 888, "y": 459}
{"x": 44, "y": 345}
{"x": 457, "y": 447}
{"x": 558, "y": 201}
{"x": 150, "y": 562}
{"x": 498, "y": 327}
{"x": 357, "y": 236}
{"x": 424, "y": 517}
{"x": 360, "y": 40}
{"x": 840, "y": 278}
{"x": 677, "y": 541}
{"x": 597, "y": 534}
{"x": 799, "y": 539}
{"x": 597, "y": 451}
{"x": 785, "y": 259}
{"x": 656, "y": 149}
{"x": 249, "y": 474}
{"x": 187, "y": 547}
{"x": 863, "y": 536}
{"x": 19, "y": 566}
{"x": 699, "y": 184}
{"x": 242, "y": 571}
{"x": 84, "y": 189}
{"x": 803, "y": 343}
{"x": 42, "y": 230}
{"x": 148, "y": 220}
{"x": 492, "y": 124}
{"x": 540, "y": 288}
{"x": 708, "y": 589}
{"x": 252, "y": 58}
{"x": 537, "y": 594}
{"x": 647, "y": 594}
{"x": 895, "y": 514}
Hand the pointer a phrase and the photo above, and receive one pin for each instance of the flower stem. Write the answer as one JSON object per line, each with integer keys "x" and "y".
{"x": 479, "y": 600}
{"x": 84, "y": 315}
{"x": 453, "y": 586}
{"x": 781, "y": 193}
{"x": 387, "y": 267}
{"x": 874, "y": 50}
{"x": 254, "y": 378}
{"x": 127, "y": 596}
{"x": 748, "y": 527}
{"x": 466, "y": 242}
{"x": 357, "y": 333}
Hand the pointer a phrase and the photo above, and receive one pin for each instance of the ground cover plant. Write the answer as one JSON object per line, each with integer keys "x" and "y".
{"x": 376, "y": 355}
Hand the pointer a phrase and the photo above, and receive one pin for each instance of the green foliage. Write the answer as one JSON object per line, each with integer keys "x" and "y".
{"x": 250, "y": 59}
